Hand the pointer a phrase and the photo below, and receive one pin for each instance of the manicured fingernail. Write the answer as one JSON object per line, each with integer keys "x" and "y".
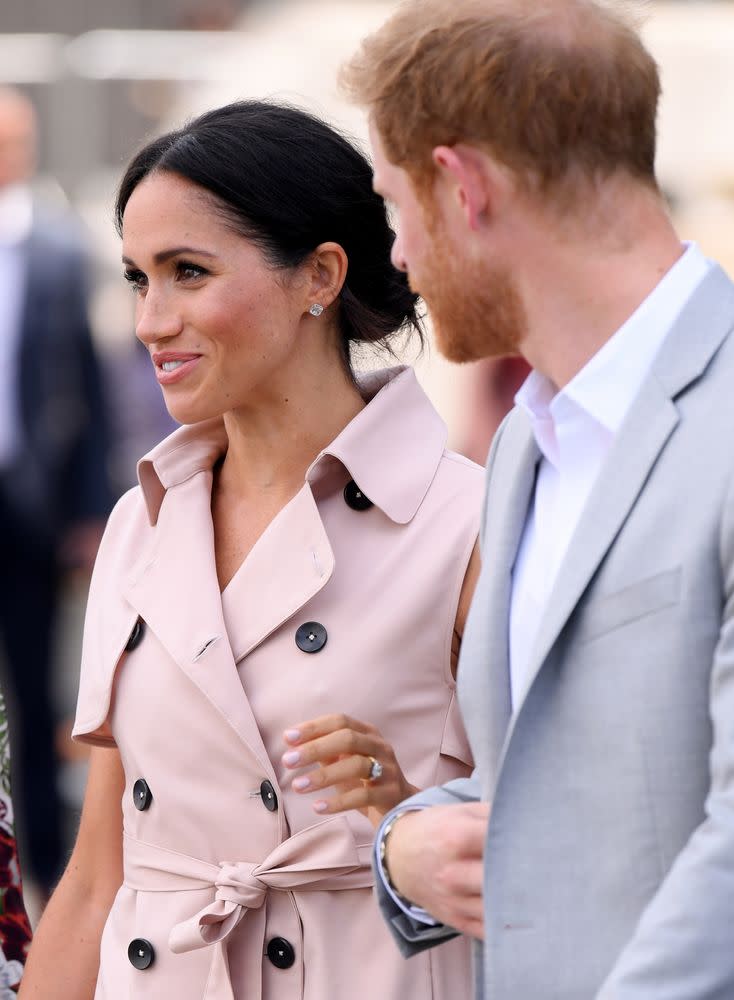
{"x": 301, "y": 783}
{"x": 291, "y": 758}
{"x": 292, "y": 735}
{"x": 321, "y": 806}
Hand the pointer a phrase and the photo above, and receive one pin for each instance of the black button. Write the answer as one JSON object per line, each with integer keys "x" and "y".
{"x": 311, "y": 637}
{"x": 281, "y": 953}
{"x": 267, "y": 794}
{"x": 355, "y": 498}
{"x": 141, "y": 953}
{"x": 142, "y": 795}
{"x": 135, "y": 636}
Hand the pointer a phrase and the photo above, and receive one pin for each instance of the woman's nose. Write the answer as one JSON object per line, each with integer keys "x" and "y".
{"x": 156, "y": 318}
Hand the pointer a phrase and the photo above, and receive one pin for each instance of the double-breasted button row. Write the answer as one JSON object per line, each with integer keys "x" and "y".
{"x": 355, "y": 498}
{"x": 281, "y": 953}
{"x": 311, "y": 637}
{"x": 141, "y": 954}
{"x": 143, "y": 797}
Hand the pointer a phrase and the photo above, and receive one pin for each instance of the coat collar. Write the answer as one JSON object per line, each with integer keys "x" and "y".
{"x": 206, "y": 632}
{"x": 391, "y": 449}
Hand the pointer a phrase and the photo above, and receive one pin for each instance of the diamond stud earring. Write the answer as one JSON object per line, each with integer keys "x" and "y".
{"x": 316, "y": 309}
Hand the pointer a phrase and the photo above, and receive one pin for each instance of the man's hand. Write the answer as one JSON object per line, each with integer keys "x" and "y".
{"x": 434, "y": 857}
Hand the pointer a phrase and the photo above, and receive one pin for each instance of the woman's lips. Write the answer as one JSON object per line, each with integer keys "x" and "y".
{"x": 170, "y": 368}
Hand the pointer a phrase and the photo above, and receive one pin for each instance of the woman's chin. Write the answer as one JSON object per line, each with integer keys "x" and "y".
{"x": 184, "y": 413}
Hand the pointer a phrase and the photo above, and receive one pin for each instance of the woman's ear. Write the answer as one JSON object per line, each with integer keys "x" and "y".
{"x": 327, "y": 274}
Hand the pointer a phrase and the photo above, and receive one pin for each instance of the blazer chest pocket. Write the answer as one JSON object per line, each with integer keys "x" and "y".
{"x": 638, "y": 600}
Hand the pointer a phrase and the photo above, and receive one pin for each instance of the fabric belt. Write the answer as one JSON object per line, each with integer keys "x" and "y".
{"x": 324, "y": 856}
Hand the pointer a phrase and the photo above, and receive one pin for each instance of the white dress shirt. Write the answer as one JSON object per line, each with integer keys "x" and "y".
{"x": 16, "y": 213}
{"x": 574, "y": 430}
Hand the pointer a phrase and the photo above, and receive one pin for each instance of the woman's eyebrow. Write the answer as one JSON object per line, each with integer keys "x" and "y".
{"x": 163, "y": 255}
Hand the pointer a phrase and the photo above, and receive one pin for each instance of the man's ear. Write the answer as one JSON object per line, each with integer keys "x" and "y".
{"x": 478, "y": 183}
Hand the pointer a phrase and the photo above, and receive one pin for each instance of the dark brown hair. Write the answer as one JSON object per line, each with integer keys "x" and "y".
{"x": 288, "y": 182}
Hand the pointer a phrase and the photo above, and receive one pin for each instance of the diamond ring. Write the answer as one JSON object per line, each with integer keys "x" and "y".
{"x": 376, "y": 769}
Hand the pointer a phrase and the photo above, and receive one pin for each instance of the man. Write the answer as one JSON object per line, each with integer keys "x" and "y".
{"x": 592, "y": 852}
{"x": 53, "y": 482}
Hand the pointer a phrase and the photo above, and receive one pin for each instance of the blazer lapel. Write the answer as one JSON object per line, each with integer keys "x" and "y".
{"x": 174, "y": 589}
{"x": 695, "y": 338}
{"x": 288, "y": 565}
{"x": 625, "y": 472}
{"x": 510, "y": 490}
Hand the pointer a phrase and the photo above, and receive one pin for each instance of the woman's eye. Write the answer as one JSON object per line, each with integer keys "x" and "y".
{"x": 187, "y": 271}
{"x": 136, "y": 280}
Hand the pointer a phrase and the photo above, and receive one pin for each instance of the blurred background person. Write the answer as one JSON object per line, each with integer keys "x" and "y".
{"x": 54, "y": 491}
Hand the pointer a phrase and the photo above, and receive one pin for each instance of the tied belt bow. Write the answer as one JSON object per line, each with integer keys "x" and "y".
{"x": 324, "y": 856}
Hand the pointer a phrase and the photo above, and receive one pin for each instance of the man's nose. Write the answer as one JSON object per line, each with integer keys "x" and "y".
{"x": 396, "y": 255}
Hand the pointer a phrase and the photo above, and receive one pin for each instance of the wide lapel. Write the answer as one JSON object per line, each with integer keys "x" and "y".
{"x": 288, "y": 565}
{"x": 174, "y": 588}
{"x": 696, "y": 336}
{"x": 484, "y": 666}
{"x": 293, "y": 559}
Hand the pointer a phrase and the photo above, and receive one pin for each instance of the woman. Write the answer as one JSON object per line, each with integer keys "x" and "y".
{"x": 288, "y": 586}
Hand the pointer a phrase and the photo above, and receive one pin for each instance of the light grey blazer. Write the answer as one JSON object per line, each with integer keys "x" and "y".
{"x": 609, "y": 861}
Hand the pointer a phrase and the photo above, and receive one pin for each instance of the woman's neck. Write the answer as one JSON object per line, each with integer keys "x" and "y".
{"x": 271, "y": 446}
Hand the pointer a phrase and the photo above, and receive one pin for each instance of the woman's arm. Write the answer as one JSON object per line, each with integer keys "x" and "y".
{"x": 64, "y": 957}
{"x": 345, "y": 748}
{"x": 465, "y": 598}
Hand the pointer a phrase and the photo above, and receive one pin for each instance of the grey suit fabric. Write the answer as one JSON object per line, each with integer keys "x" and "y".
{"x": 609, "y": 860}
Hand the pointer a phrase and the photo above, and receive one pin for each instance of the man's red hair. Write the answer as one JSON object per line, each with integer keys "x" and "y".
{"x": 551, "y": 88}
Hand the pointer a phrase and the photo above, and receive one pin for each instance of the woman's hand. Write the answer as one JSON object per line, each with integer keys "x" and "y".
{"x": 343, "y": 751}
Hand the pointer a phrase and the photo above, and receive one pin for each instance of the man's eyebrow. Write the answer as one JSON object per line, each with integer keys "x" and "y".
{"x": 163, "y": 255}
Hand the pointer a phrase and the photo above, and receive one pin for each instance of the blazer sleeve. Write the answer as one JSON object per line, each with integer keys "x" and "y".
{"x": 682, "y": 946}
{"x": 411, "y": 935}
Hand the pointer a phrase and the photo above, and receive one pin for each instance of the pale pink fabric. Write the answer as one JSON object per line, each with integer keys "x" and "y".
{"x": 198, "y": 708}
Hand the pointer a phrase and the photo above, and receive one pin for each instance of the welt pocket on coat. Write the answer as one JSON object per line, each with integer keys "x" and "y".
{"x": 629, "y": 604}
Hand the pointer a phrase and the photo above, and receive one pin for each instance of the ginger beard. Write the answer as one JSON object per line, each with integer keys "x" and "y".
{"x": 475, "y": 307}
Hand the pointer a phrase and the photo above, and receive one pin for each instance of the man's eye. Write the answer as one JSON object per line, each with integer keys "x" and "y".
{"x": 136, "y": 279}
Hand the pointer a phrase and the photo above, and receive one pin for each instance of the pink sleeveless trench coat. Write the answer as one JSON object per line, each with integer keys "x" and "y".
{"x": 234, "y": 888}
